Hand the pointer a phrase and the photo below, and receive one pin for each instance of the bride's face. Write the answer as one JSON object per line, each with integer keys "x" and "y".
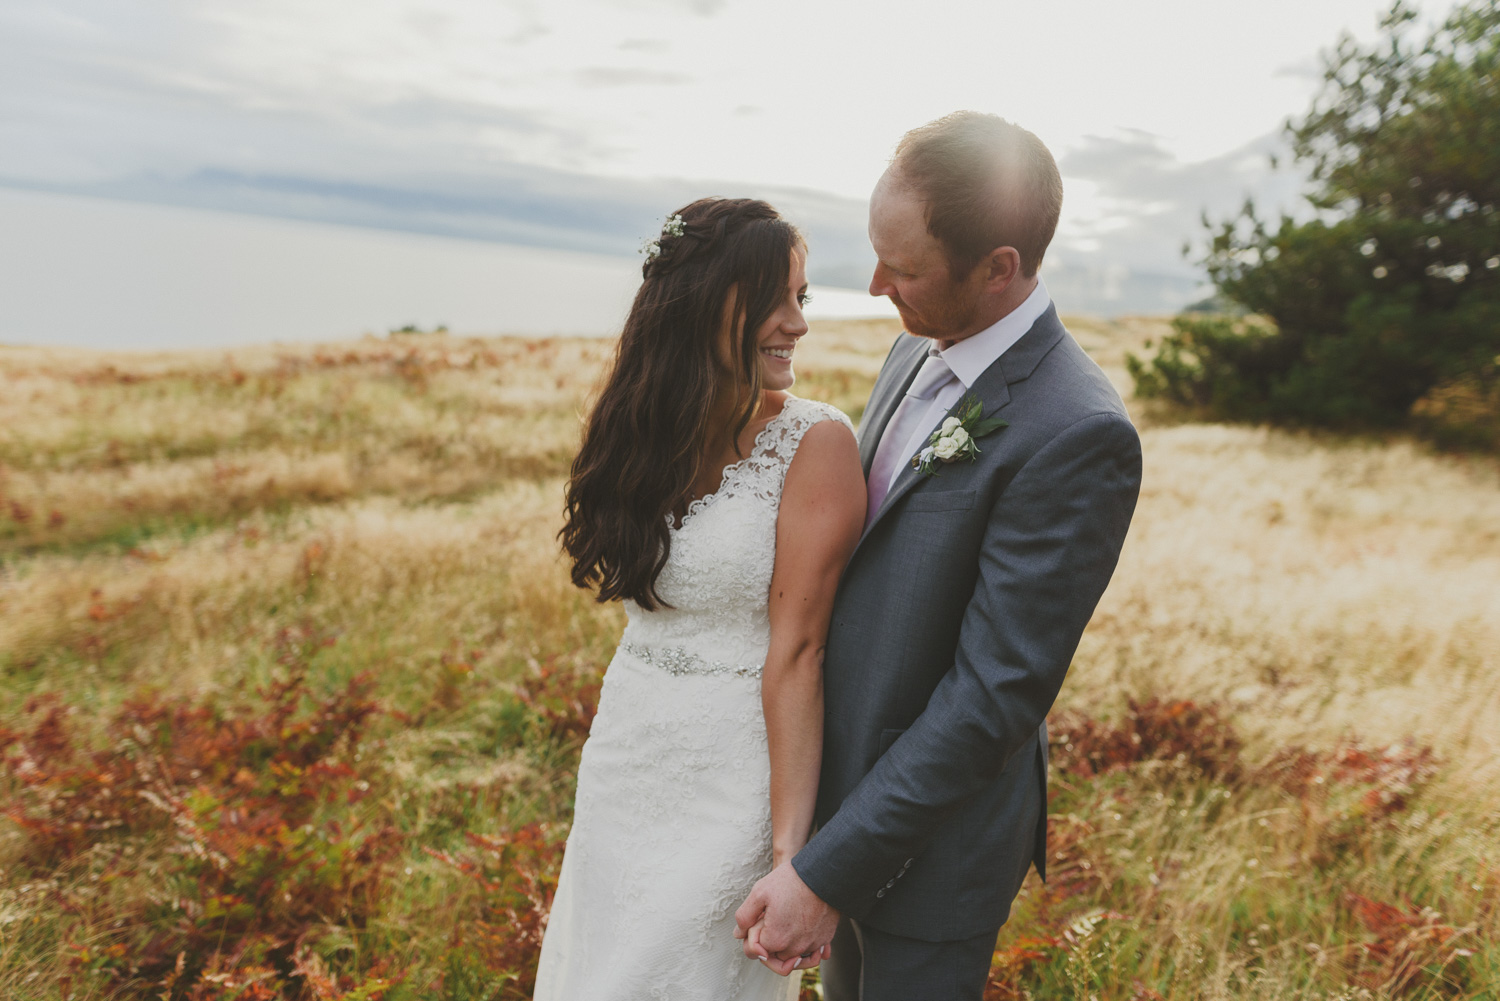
{"x": 777, "y": 338}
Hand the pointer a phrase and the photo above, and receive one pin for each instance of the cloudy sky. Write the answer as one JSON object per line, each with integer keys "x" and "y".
{"x": 579, "y": 123}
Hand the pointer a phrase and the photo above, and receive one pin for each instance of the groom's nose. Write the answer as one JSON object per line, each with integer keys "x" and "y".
{"x": 880, "y": 282}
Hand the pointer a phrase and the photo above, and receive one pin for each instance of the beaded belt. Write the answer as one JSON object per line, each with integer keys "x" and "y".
{"x": 677, "y": 661}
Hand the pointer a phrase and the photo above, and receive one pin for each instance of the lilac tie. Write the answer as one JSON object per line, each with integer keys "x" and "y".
{"x": 892, "y": 453}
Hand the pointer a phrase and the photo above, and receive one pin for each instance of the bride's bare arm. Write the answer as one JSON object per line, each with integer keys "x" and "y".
{"x": 822, "y": 514}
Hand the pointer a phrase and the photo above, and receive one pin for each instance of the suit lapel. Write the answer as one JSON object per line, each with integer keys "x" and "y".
{"x": 993, "y": 389}
{"x": 992, "y": 392}
{"x": 905, "y": 362}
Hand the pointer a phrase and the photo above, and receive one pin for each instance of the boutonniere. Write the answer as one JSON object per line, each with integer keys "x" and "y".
{"x": 956, "y": 439}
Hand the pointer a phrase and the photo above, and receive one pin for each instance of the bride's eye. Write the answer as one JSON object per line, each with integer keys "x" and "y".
{"x": 803, "y": 298}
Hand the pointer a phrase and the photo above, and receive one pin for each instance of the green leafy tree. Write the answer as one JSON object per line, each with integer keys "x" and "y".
{"x": 1392, "y": 287}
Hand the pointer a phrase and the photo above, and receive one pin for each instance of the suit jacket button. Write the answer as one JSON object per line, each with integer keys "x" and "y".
{"x": 880, "y": 892}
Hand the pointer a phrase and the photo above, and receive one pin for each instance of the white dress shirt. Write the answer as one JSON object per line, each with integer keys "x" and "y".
{"x": 915, "y": 419}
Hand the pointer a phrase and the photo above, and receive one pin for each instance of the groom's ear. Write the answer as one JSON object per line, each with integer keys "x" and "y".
{"x": 1001, "y": 267}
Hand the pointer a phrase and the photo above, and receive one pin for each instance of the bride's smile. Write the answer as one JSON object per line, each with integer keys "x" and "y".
{"x": 778, "y": 366}
{"x": 777, "y": 338}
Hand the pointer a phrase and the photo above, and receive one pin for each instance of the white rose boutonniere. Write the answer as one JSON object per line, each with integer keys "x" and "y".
{"x": 956, "y": 439}
{"x": 947, "y": 448}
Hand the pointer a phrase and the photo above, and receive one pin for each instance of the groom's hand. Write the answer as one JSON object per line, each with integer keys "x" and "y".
{"x": 794, "y": 921}
{"x": 782, "y": 968}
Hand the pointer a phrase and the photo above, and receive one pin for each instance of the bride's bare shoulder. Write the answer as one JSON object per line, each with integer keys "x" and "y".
{"x": 826, "y": 467}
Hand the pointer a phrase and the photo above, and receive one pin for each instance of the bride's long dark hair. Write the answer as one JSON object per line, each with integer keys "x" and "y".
{"x": 726, "y": 264}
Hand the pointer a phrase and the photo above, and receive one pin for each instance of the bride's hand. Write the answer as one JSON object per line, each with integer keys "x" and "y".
{"x": 781, "y": 967}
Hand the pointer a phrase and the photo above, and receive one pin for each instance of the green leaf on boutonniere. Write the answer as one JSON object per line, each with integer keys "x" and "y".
{"x": 988, "y": 426}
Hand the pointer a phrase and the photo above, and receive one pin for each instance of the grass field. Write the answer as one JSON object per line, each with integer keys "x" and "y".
{"x": 292, "y": 686}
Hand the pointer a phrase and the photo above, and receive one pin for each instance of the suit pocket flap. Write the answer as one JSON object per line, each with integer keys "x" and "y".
{"x": 887, "y": 738}
{"x": 940, "y": 500}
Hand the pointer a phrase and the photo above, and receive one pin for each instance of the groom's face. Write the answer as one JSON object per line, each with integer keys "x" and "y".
{"x": 912, "y": 267}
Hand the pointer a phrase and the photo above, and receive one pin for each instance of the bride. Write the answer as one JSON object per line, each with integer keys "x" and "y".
{"x": 721, "y": 510}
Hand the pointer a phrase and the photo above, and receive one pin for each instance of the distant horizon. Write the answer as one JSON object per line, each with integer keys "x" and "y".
{"x": 94, "y": 271}
{"x": 115, "y": 274}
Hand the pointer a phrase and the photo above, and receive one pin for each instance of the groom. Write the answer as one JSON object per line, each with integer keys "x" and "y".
{"x": 963, "y": 603}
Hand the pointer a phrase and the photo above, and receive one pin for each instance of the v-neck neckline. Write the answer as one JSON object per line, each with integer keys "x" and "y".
{"x": 699, "y": 504}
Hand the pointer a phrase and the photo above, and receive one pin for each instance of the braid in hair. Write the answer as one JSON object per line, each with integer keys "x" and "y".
{"x": 699, "y": 227}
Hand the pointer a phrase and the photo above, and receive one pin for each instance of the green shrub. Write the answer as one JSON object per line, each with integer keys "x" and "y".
{"x": 1393, "y": 289}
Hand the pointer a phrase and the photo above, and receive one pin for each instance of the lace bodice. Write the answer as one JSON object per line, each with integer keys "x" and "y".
{"x": 718, "y": 574}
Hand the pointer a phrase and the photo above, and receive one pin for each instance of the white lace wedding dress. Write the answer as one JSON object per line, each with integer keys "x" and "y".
{"x": 672, "y": 822}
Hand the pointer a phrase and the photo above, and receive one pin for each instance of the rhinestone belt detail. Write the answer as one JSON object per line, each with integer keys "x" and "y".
{"x": 677, "y": 661}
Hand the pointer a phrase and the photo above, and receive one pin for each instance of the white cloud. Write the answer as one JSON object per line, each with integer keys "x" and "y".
{"x": 1129, "y": 198}
{"x": 629, "y": 76}
{"x": 484, "y": 116}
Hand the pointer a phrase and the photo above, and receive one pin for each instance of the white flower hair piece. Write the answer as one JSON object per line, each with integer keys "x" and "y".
{"x": 672, "y": 227}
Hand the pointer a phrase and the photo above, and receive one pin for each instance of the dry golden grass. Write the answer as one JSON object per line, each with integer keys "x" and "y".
{"x": 100, "y": 447}
{"x": 1318, "y": 590}
{"x": 165, "y": 518}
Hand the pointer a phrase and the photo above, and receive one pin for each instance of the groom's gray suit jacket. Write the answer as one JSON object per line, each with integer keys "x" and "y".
{"x": 953, "y": 627}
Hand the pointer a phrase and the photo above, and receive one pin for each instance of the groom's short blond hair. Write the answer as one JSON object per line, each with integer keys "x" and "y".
{"x": 986, "y": 183}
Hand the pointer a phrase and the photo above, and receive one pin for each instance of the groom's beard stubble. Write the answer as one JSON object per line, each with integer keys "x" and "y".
{"x": 954, "y": 314}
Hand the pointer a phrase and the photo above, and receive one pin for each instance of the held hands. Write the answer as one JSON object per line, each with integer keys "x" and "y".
{"x": 784, "y": 924}
{"x": 780, "y": 967}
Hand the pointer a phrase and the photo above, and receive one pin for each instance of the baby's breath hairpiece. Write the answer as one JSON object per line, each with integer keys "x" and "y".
{"x": 672, "y": 227}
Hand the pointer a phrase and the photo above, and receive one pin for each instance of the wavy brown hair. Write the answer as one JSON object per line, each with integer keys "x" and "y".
{"x": 644, "y": 443}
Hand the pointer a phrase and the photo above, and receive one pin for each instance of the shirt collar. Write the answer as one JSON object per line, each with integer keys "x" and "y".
{"x": 971, "y": 356}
